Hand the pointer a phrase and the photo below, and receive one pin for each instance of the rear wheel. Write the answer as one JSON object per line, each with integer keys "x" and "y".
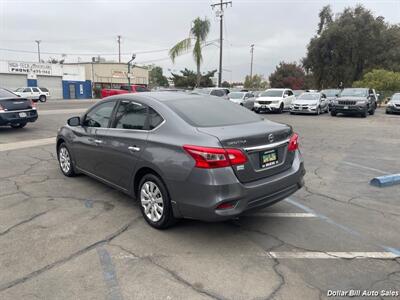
{"x": 333, "y": 113}
{"x": 372, "y": 110}
{"x": 155, "y": 203}
{"x": 65, "y": 161}
{"x": 42, "y": 98}
{"x": 18, "y": 125}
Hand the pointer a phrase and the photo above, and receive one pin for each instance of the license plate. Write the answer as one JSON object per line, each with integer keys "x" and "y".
{"x": 346, "y": 107}
{"x": 22, "y": 115}
{"x": 268, "y": 158}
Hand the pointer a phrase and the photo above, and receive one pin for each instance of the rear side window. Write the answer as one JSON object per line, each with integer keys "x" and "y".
{"x": 141, "y": 89}
{"x": 44, "y": 89}
{"x": 100, "y": 115}
{"x": 35, "y": 90}
{"x": 207, "y": 112}
{"x": 131, "y": 115}
{"x": 27, "y": 90}
{"x": 154, "y": 119}
{"x": 218, "y": 93}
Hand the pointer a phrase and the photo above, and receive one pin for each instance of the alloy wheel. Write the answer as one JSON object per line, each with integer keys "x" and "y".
{"x": 65, "y": 160}
{"x": 152, "y": 201}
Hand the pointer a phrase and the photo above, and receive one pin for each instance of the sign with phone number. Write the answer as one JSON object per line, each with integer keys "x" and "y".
{"x": 29, "y": 68}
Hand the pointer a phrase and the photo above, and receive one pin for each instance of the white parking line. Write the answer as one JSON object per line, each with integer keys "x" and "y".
{"x": 61, "y": 111}
{"x": 283, "y": 215}
{"x": 364, "y": 167}
{"x": 333, "y": 255}
{"x": 27, "y": 144}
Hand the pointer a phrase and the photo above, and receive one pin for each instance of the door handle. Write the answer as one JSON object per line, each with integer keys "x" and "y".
{"x": 98, "y": 141}
{"x": 133, "y": 148}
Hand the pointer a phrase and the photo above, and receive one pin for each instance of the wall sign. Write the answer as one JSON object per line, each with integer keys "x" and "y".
{"x": 29, "y": 68}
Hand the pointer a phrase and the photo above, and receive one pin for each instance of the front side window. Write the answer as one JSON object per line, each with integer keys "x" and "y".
{"x": 131, "y": 115}
{"x": 99, "y": 116}
{"x": 218, "y": 93}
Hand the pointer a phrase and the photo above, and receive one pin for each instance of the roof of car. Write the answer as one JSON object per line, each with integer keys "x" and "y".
{"x": 165, "y": 96}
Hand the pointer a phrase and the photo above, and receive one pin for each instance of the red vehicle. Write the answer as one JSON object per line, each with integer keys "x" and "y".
{"x": 124, "y": 89}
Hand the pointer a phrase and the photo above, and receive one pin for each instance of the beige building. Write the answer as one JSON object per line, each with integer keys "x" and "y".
{"x": 113, "y": 75}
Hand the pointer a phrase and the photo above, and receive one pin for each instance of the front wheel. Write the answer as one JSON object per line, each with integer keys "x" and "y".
{"x": 280, "y": 110}
{"x": 155, "y": 203}
{"x": 333, "y": 113}
{"x": 42, "y": 98}
{"x": 18, "y": 125}
{"x": 65, "y": 161}
{"x": 318, "y": 112}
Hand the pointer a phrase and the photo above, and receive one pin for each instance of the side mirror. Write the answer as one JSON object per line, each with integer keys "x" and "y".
{"x": 285, "y": 96}
{"x": 74, "y": 121}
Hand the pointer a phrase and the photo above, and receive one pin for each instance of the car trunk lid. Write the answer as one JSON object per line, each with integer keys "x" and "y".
{"x": 12, "y": 104}
{"x": 261, "y": 142}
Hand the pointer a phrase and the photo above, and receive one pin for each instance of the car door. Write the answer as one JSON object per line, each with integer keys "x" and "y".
{"x": 123, "y": 144}
{"x": 27, "y": 93}
{"x": 35, "y": 93}
{"x": 86, "y": 148}
{"x": 289, "y": 99}
{"x": 323, "y": 102}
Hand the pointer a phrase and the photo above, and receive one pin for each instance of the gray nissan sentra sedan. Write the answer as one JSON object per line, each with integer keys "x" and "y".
{"x": 183, "y": 156}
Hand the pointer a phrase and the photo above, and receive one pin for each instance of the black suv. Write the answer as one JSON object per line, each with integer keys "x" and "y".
{"x": 360, "y": 101}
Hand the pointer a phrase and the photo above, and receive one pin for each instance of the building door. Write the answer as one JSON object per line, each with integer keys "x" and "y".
{"x": 53, "y": 84}
{"x": 72, "y": 92}
{"x": 12, "y": 81}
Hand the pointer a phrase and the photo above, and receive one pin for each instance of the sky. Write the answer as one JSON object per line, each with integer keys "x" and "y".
{"x": 280, "y": 30}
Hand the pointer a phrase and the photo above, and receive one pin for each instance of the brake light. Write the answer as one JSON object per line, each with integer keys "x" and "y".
{"x": 209, "y": 158}
{"x": 2, "y": 108}
{"x": 293, "y": 142}
{"x": 33, "y": 104}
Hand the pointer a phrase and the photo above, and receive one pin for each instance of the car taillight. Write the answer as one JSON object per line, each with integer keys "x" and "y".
{"x": 33, "y": 104}
{"x": 1, "y": 108}
{"x": 208, "y": 158}
{"x": 293, "y": 142}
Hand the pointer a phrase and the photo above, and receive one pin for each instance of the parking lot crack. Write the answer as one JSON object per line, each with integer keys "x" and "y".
{"x": 23, "y": 222}
{"x": 68, "y": 258}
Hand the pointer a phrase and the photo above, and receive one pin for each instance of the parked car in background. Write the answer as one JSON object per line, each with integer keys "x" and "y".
{"x": 331, "y": 95}
{"x": 124, "y": 89}
{"x": 393, "y": 105}
{"x": 35, "y": 93}
{"x": 16, "y": 111}
{"x": 218, "y": 92}
{"x": 240, "y": 97}
{"x": 310, "y": 103}
{"x": 360, "y": 101}
{"x": 298, "y": 92}
{"x": 274, "y": 100}
{"x": 181, "y": 159}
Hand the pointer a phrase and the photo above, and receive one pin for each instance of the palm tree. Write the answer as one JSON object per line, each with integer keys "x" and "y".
{"x": 198, "y": 32}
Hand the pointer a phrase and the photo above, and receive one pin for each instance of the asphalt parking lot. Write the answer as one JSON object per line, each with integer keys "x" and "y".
{"x": 74, "y": 238}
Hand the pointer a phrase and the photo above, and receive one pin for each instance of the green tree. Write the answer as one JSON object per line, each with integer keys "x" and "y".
{"x": 353, "y": 43}
{"x": 255, "y": 82}
{"x": 188, "y": 79}
{"x": 225, "y": 84}
{"x": 198, "y": 33}
{"x": 156, "y": 77}
{"x": 379, "y": 79}
{"x": 288, "y": 75}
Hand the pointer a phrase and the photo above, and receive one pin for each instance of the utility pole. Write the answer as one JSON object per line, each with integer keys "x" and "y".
{"x": 38, "y": 48}
{"x": 221, "y": 5}
{"x": 251, "y": 63}
{"x": 119, "y": 48}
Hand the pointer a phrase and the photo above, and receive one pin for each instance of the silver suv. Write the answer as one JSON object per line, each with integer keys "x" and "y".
{"x": 360, "y": 101}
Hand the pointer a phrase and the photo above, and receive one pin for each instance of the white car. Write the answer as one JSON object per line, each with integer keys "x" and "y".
{"x": 35, "y": 93}
{"x": 274, "y": 100}
{"x": 310, "y": 103}
{"x": 239, "y": 97}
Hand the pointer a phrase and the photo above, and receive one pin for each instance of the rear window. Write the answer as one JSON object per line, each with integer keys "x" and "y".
{"x": 206, "y": 112}
{"x": 6, "y": 94}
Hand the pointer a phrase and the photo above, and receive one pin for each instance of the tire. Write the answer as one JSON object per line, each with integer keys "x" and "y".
{"x": 158, "y": 210}
{"x": 18, "y": 125}
{"x": 388, "y": 112}
{"x": 65, "y": 160}
{"x": 280, "y": 110}
{"x": 364, "y": 114}
{"x": 35, "y": 100}
{"x": 292, "y": 113}
{"x": 318, "y": 112}
{"x": 42, "y": 98}
{"x": 372, "y": 111}
{"x": 333, "y": 113}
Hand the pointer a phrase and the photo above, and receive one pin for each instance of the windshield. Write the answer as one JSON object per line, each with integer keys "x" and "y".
{"x": 330, "y": 93}
{"x": 272, "y": 93}
{"x": 298, "y": 92}
{"x": 197, "y": 112}
{"x": 354, "y": 93}
{"x": 236, "y": 95}
{"x": 309, "y": 96}
{"x": 396, "y": 97}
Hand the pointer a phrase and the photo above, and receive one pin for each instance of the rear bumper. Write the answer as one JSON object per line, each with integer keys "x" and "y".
{"x": 8, "y": 118}
{"x": 303, "y": 111}
{"x": 197, "y": 200}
